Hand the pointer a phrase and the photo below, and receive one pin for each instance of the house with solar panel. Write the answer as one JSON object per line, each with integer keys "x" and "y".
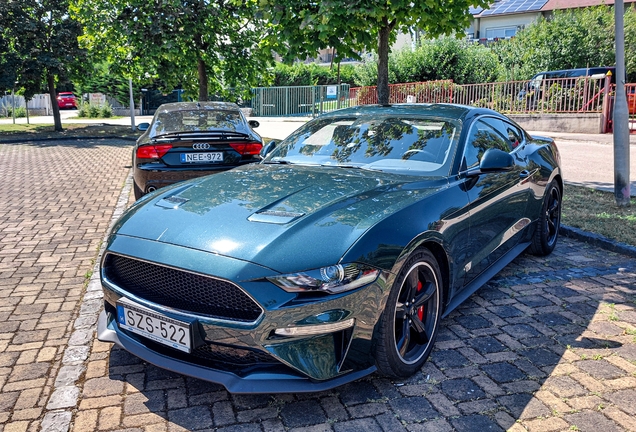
{"x": 504, "y": 18}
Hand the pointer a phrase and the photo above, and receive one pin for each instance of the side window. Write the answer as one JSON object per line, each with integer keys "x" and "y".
{"x": 482, "y": 137}
{"x": 511, "y": 134}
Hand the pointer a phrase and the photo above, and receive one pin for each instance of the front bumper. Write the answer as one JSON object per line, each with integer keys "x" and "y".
{"x": 264, "y": 381}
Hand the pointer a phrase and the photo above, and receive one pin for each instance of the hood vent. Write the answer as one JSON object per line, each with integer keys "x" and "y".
{"x": 275, "y": 216}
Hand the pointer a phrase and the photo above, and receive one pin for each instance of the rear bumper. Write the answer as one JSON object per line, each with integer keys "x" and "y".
{"x": 158, "y": 176}
{"x": 257, "y": 382}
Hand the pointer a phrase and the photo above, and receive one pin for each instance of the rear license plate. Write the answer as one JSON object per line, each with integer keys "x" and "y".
{"x": 154, "y": 325}
{"x": 201, "y": 157}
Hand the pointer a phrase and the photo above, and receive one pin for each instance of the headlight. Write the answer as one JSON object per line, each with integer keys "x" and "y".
{"x": 332, "y": 279}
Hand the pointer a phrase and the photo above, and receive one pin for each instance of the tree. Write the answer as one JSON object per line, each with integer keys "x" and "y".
{"x": 207, "y": 46}
{"x": 437, "y": 59}
{"x": 569, "y": 39}
{"x": 302, "y": 27}
{"x": 42, "y": 41}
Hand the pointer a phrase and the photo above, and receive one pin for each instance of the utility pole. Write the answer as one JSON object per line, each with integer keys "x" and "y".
{"x": 621, "y": 115}
{"x": 132, "y": 105}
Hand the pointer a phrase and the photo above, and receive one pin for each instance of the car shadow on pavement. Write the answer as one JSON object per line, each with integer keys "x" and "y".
{"x": 548, "y": 344}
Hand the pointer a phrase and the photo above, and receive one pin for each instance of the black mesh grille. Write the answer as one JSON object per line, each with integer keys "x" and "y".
{"x": 231, "y": 355}
{"x": 180, "y": 289}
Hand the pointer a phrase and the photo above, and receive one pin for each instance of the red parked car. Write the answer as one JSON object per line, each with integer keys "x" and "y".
{"x": 66, "y": 100}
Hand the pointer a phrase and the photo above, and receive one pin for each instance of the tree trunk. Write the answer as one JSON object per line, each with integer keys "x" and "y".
{"x": 383, "y": 64}
{"x": 57, "y": 121}
{"x": 203, "y": 81}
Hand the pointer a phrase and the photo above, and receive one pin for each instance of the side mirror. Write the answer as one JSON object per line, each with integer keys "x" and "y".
{"x": 143, "y": 126}
{"x": 253, "y": 124}
{"x": 493, "y": 160}
{"x": 267, "y": 148}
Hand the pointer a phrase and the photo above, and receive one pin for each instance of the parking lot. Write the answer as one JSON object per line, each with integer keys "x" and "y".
{"x": 549, "y": 344}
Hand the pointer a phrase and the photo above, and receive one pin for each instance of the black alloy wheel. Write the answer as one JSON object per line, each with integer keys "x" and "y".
{"x": 411, "y": 318}
{"x": 547, "y": 232}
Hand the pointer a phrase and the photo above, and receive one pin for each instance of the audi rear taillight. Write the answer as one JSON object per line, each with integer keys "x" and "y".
{"x": 153, "y": 151}
{"x": 252, "y": 148}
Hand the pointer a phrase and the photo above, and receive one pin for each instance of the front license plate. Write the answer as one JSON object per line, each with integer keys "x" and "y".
{"x": 153, "y": 325}
{"x": 201, "y": 157}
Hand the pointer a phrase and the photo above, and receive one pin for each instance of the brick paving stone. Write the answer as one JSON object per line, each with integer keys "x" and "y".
{"x": 535, "y": 349}
{"x": 474, "y": 422}
{"x": 304, "y": 413}
{"x": 591, "y": 421}
{"x": 194, "y": 418}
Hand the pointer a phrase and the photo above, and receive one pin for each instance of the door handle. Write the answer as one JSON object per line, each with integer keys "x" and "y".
{"x": 524, "y": 174}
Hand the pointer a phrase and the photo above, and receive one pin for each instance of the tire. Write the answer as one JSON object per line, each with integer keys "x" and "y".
{"x": 408, "y": 329}
{"x": 546, "y": 233}
{"x": 138, "y": 192}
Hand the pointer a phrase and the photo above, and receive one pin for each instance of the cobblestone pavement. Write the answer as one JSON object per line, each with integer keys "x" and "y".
{"x": 549, "y": 344}
{"x": 57, "y": 201}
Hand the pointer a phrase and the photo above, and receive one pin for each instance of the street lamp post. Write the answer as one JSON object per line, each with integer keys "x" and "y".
{"x": 621, "y": 115}
{"x": 13, "y": 101}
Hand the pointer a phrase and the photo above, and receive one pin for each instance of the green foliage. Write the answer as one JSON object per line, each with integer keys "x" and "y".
{"x": 446, "y": 58}
{"x": 301, "y": 74}
{"x": 300, "y": 28}
{"x": 19, "y": 111}
{"x": 99, "y": 77}
{"x": 82, "y": 109}
{"x": 40, "y": 38}
{"x": 88, "y": 110}
{"x": 570, "y": 39}
{"x": 207, "y": 47}
{"x": 93, "y": 111}
{"x": 106, "y": 110}
{"x": 439, "y": 59}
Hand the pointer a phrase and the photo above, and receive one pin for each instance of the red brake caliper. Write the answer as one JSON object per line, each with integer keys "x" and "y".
{"x": 420, "y": 310}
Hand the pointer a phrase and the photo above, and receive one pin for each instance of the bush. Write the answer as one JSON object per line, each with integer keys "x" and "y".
{"x": 106, "y": 110}
{"x": 87, "y": 110}
{"x": 19, "y": 111}
{"x": 82, "y": 109}
{"x": 440, "y": 59}
{"x": 301, "y": 74}
{"x": 93, "y": 111}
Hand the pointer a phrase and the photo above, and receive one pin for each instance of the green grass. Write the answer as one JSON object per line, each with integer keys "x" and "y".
{"x": 596, "y": 211}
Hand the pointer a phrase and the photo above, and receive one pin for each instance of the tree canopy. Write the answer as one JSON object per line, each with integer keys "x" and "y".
{"x": 302, "y": 27}
{"x": 205, "y": 46}
{"x": 569, "y": 39}
{"x": 41, "y": 41}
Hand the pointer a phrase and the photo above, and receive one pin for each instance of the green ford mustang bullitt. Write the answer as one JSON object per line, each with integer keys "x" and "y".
{"x": 334, "y": 257}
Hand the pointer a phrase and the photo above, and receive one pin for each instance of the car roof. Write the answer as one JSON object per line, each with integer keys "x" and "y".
{"x": 189, "y": 106}
{"x": 439, "y": 110}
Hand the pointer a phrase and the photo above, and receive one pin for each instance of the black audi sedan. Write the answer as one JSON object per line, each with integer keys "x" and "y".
{"x": 192, "y": 139}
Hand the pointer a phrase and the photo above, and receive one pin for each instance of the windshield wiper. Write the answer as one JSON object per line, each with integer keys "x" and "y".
{"x": 278, "y": 161}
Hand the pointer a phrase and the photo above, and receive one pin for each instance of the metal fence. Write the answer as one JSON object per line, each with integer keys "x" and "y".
{"x": 608, "y": 125}
{"x": 563, "y": 95}
{"x": 298, "y": 101}
{"x": 420, "y": 92}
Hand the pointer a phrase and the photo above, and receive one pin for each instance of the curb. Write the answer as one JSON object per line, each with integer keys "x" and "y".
{"x": 22, "y": 140}
{"x": 597, "y": 240}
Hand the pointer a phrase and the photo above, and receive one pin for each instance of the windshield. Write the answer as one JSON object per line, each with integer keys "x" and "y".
{"x": 416, "y": 145}
{"x": 195, "y": 121}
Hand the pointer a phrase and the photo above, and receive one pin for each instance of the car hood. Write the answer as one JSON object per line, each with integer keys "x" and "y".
{"x": 285, "y": 217}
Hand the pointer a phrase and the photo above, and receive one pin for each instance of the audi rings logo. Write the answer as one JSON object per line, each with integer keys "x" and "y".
{"x": 201, "y": 146}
